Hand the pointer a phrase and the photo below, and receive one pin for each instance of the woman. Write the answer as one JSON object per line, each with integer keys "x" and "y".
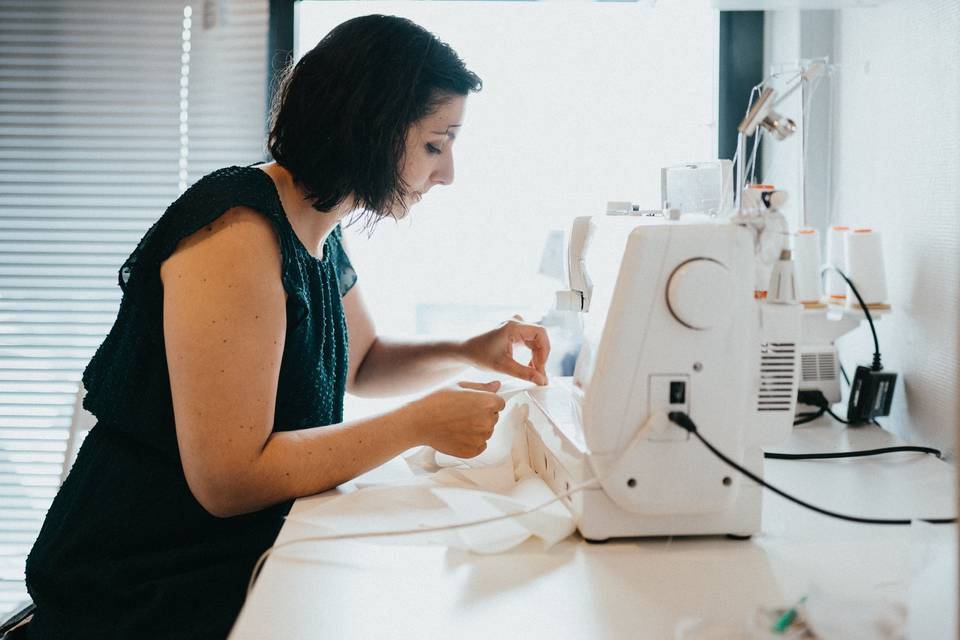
{"x": 219, "y": 390}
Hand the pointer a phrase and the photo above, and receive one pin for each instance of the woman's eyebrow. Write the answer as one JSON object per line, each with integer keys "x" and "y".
{"x": 447, "y": 132}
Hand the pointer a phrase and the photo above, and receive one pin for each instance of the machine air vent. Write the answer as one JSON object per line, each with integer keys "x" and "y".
{"x": 777, "y": 371}
{"x": 828, "y": 366}
{"x": 816, "y": 367}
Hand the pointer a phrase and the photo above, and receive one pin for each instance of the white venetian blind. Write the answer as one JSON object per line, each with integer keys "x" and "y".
{"x": 228, "y": 75}
{"x": 108, "y": 109}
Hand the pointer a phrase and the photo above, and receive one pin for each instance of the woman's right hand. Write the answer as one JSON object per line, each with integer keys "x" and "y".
{"x": 458, "y": 420}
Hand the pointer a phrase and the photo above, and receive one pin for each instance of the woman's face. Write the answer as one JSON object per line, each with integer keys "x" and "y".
{"x": 428, "y": 159}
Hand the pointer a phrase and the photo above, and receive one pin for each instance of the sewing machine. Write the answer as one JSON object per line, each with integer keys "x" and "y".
{"x": 671, "y": 323}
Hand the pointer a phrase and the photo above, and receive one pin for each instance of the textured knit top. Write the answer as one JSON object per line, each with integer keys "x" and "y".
{"x": 126, "y": 550}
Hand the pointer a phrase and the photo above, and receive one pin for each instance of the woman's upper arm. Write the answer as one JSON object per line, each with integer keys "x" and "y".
{"x": 224, "y": 322}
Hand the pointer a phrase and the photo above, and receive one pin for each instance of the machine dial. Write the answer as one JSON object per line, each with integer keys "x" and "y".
{"x": 701, "y": 294}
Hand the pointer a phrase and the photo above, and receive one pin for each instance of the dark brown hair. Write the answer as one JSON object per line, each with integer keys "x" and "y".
{"x": 340, "y": 115}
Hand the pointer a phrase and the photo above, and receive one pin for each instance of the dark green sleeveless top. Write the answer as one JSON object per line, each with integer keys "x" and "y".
{"x": 126, "y": 551}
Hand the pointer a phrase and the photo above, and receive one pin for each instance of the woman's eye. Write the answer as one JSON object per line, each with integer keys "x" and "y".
{"x": 433, "y": 149}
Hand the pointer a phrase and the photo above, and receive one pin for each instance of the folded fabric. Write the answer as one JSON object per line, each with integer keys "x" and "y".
{"x": 446, "y": 490}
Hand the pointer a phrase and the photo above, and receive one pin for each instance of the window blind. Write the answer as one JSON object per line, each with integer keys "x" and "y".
{"x": 108, "y": 110}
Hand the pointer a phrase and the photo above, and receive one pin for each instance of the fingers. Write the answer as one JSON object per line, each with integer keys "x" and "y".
{"x": 474, "y": 451}
{"x": 536, "y": 339}
{"x": 490, "y": 387}
{"x": 517, "y": 370}
{"x": 496, "y": 403}
{"x": 539, "y": 347}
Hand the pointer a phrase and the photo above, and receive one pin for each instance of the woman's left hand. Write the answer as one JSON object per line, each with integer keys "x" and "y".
{"x": 494, "y": 350}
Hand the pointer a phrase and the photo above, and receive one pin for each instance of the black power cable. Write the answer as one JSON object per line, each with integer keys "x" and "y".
{"x": 850, "y": 454}
{"x": 830, "y": 412}
{"x": 876, "y": 366}
{"x": 843, "y": 371}
{"x": 684, "y": 421}
{"x": 804, "y": 418}
{"x": 817, "y": 399}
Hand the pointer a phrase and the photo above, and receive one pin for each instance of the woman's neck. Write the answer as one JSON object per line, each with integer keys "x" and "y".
{"x": 310, "y": 225}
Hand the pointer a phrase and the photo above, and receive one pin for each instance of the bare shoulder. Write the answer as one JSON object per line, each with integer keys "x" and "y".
{"x": 240, "y": 239}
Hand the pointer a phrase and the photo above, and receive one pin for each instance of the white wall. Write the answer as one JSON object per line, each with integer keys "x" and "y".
{"x": 582, "y": 103}
{"x": 895, "y": 159}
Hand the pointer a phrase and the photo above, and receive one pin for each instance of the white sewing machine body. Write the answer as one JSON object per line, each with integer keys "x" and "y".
{"x": 680, "y": 330}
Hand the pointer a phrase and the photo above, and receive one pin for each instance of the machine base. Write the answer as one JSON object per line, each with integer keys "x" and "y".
{"x": 563, "y": 464}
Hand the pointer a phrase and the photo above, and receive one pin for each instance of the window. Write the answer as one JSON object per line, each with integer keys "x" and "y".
{"x": 582, "y": 103}
{"x": 107, "y": 112}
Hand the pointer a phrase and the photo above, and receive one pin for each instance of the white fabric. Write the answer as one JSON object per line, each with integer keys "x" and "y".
{"x": 448, "y": 490}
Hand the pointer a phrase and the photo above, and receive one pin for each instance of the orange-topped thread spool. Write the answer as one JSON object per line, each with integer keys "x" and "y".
{"x": 836, "y": 257}
{"x": 865, "y": 268}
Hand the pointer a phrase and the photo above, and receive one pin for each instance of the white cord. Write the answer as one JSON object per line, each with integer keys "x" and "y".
{"x": 728, "y": 183}
{"x": 805, "y": 114}
{"x": 738, "y": 173}
{"x": 752, "y": 164}
{"x": 738, "y": 166}
{"x": 376, "y": 534}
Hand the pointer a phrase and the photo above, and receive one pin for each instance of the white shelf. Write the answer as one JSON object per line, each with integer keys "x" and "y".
{"x": 777, "y": 5}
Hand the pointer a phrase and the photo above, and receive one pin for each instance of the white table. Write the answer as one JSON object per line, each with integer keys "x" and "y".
{"x": 629, "y": 589}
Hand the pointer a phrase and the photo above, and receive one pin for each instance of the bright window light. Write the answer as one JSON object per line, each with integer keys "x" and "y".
{"x": 582, "y": 103}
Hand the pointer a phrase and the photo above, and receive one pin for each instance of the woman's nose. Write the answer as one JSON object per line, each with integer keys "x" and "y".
{"x": 443, "y": 174}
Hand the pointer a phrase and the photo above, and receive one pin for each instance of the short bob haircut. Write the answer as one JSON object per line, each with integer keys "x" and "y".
{"x": 340, "y": 115}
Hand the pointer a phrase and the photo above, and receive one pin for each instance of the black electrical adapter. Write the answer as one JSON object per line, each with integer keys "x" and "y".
{"x": 870, "y": 394}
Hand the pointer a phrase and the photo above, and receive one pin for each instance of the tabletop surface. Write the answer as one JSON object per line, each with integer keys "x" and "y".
{"x": 637, "y": 588}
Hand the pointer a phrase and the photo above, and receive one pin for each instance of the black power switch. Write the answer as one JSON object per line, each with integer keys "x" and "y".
{"x": 678, "y": 392}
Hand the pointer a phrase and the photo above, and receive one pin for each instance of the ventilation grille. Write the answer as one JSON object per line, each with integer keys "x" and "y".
{"x": 778, "y": 361}
{"x": 818, "y": 367}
